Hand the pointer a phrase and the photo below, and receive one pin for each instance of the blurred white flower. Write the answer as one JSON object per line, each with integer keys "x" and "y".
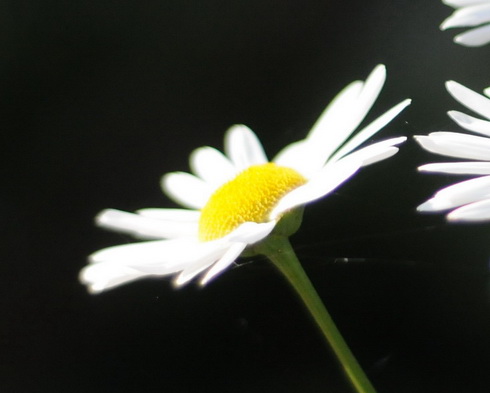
{"x": 468, "y": 200}
{"x": 236, "y": 199}
{"x": 469, "y": 13}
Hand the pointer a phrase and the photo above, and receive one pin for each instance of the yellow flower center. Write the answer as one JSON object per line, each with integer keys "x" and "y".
{"x": 249, "y": 197}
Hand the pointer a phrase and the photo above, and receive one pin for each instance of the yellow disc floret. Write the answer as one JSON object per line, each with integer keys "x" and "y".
{"x": 250, "y": 196}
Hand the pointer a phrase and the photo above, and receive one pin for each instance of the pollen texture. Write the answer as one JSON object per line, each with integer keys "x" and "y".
{"x": 249, "y": 197}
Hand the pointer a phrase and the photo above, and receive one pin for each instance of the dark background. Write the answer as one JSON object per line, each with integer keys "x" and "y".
{"x": 100, "y": 98}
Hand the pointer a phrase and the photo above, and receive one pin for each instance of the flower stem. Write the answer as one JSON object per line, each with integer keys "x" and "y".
{"x": 279, "y": 251}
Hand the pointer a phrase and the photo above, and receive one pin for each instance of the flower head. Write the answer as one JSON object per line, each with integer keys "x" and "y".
{"x": 469, "y": 13}
{"x": 234, "y": 200}
{"x": 468, "y": 200}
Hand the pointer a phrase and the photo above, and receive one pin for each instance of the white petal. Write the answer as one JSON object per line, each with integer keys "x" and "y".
{"x": 473, "y": 15}
{"x": 243, "y": 147}
{"x": 226, "y": 260}
{"x": 302, "y": 156}
{"x": 189, "y": 273}
{"x": 475, "y": 37}
{"x": 371, "y": 129}
{"x": 177, "y": 215}
{"x": 144, "y": 227}
{"x": 470, "y": 123}
{"x": 117, "y": 265}
{"x": 186, "y": 189}
{"x": 103, "y": 276}
{"x": 469, "y": 98}
{"x": 334, "y": 125}
{"x": 462, "y": 168}
{"x": 250, "y": 232}
{"x": 478, "y": 211}
{"x": 245, "y": 234}
{"x": 172, "y": 253}
{"x": 349, "y": 108}
{"x": 375, "y": 152}
{"x": 462, "y": 3}
{"x": 455, "y": 144}
{"x": 324, "y": 182}
{"x": 211, "y": 166}
{"x": 487, "y": 91}
{"x": 459, "y": 194}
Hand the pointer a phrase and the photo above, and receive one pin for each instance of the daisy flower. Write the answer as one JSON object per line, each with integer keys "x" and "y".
{"x": 469, "y": 13}
{"x": 468, "y": 200}
{"x": 236, "y": 199}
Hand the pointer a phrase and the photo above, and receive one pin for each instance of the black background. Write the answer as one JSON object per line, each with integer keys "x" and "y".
{"x": 100, "y": 98}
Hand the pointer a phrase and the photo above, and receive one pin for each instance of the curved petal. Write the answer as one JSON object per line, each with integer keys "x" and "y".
{"x": 462, "y": 3}
{"x": 371, "y": 129}
{"x": 250, "y": 232}
{"x": 458, "y": 168}
{"x": 335, "y": 117}
{"x": 475, "y": 37}
{"x": 346, "y": 112}
{"x": 226, "y": 260}
{"x": 186, "y": 189}
{"x": 211, "y": 166}
{"x": 176, "y": 215}
{"x": 455, "y": 144}
{"x": 243, "y": 147}
{"x": 103, "y": 276}
{"x": 458, "y": 194}
{"x": 324, "y": 182}
{"x": 472, "y": 15}
{"x": 478, "y": 211}
{"x": 144, "y": 227}
{"x": 469, "y": 98}
{"x": 376, "y": 152}
{"x": 120, "y": 264}
{"x": 470, "y": 123}
{"x": 174, "y": 254}
{"x": 302, "y": 156}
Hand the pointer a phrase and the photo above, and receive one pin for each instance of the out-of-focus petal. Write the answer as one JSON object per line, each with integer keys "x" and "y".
{"x": 186, "y": 189}
{"x": 462, "y": 3}
{"x": 471, "y": 123}
{"x": 478, "y": 36}
{"x": 469, "y": 98}
{"x": 458, "y": 168}
{"x": 454, "y": 144}
{"x": 176, "y": 215}
{"x": 243, "y": 147}
{"x": 211, "y": 166}
{"x": 144, "y": 227}
{"x": 226, "y": 260}
{"x": 478, "y": 211}
{"x": 458, "y": 194}
{"x": 473, "y": 15}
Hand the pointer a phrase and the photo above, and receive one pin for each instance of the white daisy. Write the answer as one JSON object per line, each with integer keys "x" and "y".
{"x": 235, "y": 199}
{"x": 471, "y": 198}
{"x": 469, "y": 13}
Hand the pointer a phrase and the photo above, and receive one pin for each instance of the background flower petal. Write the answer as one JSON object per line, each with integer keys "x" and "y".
{"x": 478, "y": 211}
{"x": 464, "y": 168}
{"x": 469, "y": 98}
{"x": 455, "y": 144}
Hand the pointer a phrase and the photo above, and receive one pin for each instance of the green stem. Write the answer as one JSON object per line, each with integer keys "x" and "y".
{"x": 279, "y": 251}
